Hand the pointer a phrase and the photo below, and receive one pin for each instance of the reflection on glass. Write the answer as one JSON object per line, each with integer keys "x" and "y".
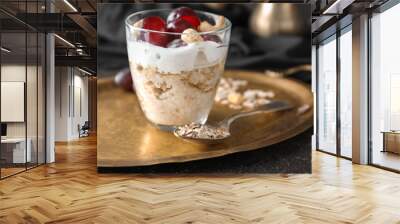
{"x": 41, "y": 99}
{"x": 385, "y": 84}
{"x": 31, "y": 100}
{"x": 345, "y": 94}
{"x": 327, "y": 96}
{"x": 15, "y": 151}
{"x": 22, "y": 92}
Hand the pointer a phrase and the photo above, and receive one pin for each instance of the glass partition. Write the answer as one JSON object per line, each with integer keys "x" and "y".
{"x": 31, "y": 99}
{"x": 327, "y": 95}
{"x": 334, "y": 91}
{"x": 15, "y": 151}
{"x": 346, "y": 95}
{"x": 385, "y": 89}
{"x": 41, "y": 97}
{"x": 22, "y": 77}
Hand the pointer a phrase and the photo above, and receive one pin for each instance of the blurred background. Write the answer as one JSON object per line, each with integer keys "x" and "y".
{"x": 264, "y": 36}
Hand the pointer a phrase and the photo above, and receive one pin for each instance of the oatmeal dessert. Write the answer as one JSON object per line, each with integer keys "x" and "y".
{"x": 176, "y": 64}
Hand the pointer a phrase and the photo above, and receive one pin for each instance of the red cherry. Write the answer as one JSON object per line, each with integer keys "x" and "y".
{"x": 179, "y": 25}
{"x": 157, "y": 24}
{"x": 124, "y": 80}
{"x": 194, "y": 20}
{"x": 154, "y": 23}
{"x": 211, "y": 37}
{"x": 184, "y": 13}
{"x": 176, "y": 43}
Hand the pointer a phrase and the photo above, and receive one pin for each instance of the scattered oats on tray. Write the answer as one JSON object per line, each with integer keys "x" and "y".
{"x": 195, "y": 130}
{"x": 230, "y": 92}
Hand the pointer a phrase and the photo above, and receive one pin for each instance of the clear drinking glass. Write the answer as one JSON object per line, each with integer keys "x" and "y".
{"x": 176, "y": 82}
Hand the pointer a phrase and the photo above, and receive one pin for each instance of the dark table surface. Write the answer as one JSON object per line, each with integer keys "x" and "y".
{"x": 290, "y": 156}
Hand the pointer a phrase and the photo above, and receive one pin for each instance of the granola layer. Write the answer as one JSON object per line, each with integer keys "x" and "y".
{"x": 176, "y": 98}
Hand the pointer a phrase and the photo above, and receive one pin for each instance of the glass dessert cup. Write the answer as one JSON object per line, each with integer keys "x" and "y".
{"x": 176, "y": 75}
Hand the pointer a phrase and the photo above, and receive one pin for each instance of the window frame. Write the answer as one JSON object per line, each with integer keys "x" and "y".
{"x": 333, "y": 37}
{"x": 31, "y": 30}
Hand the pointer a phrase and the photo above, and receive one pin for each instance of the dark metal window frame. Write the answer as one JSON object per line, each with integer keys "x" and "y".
{"x": 44, "y": 77}
{"x": 387, "y": 5}
{"x": 333, "y": 37}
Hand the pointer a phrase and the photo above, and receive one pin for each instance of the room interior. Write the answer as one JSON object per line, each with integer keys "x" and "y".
{"x": 49, "y": 79}
{"x": 25, "y": 92}
{"x": 334, "y": 72}
{"x": 22, "y": 101}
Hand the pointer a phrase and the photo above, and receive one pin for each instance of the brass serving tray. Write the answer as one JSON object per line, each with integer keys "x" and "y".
{"x": 127, "y": 139}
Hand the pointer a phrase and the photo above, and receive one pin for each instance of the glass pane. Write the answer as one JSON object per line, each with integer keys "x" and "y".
{"x": 327, "y": 96}
{"x": 13, "y": 88}
{"x": 31, "y": 98}
{"x": 346, "y": 94}
{"x": 385, "y": 84}
{"x": 41, "y": 99}
{"x": 32, "y": 87}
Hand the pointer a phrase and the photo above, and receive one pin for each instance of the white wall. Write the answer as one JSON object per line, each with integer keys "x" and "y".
{"x": 82, "y": 82}
{"x": 71, "y": 94}
{"x": 62, "y": 81}
{"x": 17, "y": 73}
{"x": 12, "y": 101}
{"x": 14, "y": 73}
{"x": 33, "y": 126}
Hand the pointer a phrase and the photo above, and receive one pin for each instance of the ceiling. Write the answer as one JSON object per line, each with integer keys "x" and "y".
{"x": 74, "y": 22}
{"x": 332, "y": 15}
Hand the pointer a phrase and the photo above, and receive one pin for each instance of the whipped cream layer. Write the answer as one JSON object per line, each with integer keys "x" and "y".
{"x": 176, "y": 60}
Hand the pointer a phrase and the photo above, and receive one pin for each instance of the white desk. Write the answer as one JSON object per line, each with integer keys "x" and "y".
{"x": 19, "y": 155}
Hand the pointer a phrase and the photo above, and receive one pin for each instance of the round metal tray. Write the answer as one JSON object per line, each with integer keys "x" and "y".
{"x": 127, "y": 139}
